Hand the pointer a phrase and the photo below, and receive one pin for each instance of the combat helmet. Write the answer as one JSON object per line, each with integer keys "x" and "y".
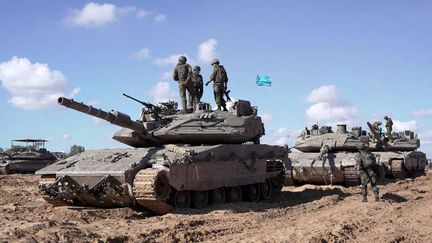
{"x": 197, "y": 68}
{"x": 215, "y": 61}
{"x": 182, "y": 59}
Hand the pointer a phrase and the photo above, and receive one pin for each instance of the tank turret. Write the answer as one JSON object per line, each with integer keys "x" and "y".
{"x": 160, "y": 125}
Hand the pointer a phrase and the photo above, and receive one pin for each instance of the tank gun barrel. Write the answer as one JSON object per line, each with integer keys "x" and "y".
{"x": 114, "y": 117}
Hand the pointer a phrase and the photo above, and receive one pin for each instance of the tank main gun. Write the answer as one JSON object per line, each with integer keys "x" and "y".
{"x": 114, "y": 117}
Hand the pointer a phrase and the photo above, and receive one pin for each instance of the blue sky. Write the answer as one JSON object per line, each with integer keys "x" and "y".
{"x": 330, "y": 61}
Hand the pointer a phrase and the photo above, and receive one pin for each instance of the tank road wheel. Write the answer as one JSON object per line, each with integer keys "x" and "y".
{"x": 266, "y": 190}
{"x": 200, "y": 199}
{"x": 235, "y": 194}
{"x": 181, "y": 199}
{"x": 398, "y": 169}
{"x": 252, "y": 192}
{"x": 217, "y": 196}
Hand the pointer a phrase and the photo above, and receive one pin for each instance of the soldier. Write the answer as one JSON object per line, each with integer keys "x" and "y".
{"x": 376, "y": 126}
{"x": 183, "y": 74}
{"x": 220, "y": 78}
{"x": 389, "y": 127}
{"x": 365, "y": 167}
{"x": 197, "y": 83}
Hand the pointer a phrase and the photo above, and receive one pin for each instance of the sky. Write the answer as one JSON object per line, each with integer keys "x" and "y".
{"x": 330, "y": 61}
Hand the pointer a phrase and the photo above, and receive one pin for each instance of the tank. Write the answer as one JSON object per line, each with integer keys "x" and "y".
{"x": 177, "y": 161}
{"x": 321, "y": 156}
{"x": 400, "y": 158}
{"x": 26, "y": 156}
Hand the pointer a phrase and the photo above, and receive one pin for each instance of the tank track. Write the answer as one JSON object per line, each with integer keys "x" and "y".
{"x": 144, "y": 190}
{"x": 288, "y": 178}
{"x": 398, "y": 169}
{"x": 351, "y": 177}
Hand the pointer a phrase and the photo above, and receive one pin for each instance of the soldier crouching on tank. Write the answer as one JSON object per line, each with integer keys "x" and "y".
{"x": 198, "y": 86}
{"x": 220, "y": 80}
{"x": 183, "y": 74}
{"x": 366, "y": 166}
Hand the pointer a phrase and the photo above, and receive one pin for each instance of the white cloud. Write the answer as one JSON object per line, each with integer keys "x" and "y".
{"x": 324, "y": 111}
{"x": 142, "y": 54}
{"x": 282, "y": 136}
{"x": 94, "y": 15}
{"x": 66, "y": 136}
{"x": 142, "y": 13}
{"x": 399, "y": 126}
{"x": 422, "y": 113}
{"x": 162, "y": 92}
{"x": 266, "y": 117}
{"x": 167, "y": 76}
{"x": 170, "y": 60}
{"x": 426, "y": 138}
{"x": 100, "y": 14}
{"x": 327, "y": 108}
{"x": 33, "y": 86}
{"x": 206, "y": 51}
{"x": 325, "y": 93}
{"x": 160, "y": 18}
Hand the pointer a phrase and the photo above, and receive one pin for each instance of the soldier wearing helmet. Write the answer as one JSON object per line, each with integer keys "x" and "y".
{"x": 183, "y": 74}
{"x": 366, "y": 167}
{"x": 389, "y": 128}
{"x": 219, "y": 78}
{"x": 197, "y": 83}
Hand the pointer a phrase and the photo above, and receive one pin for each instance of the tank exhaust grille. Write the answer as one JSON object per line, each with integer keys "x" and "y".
{"x": 274, "y": 165}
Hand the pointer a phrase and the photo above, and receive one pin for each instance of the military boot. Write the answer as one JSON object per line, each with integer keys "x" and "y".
{"x": 219, "y": 108}
{"x": 224, "y": 108}
{"x": 364, "y": 194}
{"x": 375, "y": 190}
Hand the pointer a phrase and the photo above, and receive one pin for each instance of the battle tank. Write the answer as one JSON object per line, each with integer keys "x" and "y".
{"x": 26, "y": 158}
{"x": 322, "y": 156}
{"x": 178, "y": 160}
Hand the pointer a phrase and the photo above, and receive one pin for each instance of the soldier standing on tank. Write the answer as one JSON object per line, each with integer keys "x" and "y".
{"x": 365, "y": 167}
{"x": 389, "y": 128}
{"x": 197, "y": 83}
{"x": 183, "y": 74}
{"x": 220, "y": 80}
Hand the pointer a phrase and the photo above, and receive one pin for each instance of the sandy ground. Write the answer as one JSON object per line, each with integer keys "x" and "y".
{"x": 303, "y": 214}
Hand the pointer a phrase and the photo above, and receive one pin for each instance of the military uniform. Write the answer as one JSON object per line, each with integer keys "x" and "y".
{"x": 389, "y": 128}
{"x": 366, "y": 166}
{"x": 219, "y": 85}
{"x": 183, "y": 74}
{"x": 198, "y": 86}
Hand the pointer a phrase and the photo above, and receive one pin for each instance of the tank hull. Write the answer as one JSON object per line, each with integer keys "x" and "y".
{"x": 25, "y": 166}
{"x": 162, "y": 178}
{"x": 335, "y": 169}
{"x": 400, "y": 165}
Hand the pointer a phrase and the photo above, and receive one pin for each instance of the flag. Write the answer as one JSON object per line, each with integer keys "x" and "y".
{"x": 263, "y": 80}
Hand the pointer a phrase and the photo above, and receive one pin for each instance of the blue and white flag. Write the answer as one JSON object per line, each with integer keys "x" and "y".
{"x": 263, "y": 80}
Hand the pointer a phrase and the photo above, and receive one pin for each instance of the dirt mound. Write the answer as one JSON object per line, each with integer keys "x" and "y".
{"x": 307, "y": 213}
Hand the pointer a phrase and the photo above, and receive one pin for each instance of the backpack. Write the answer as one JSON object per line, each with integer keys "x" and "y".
{"x": 221, "y": 76}
{"x": 368, "y": 160}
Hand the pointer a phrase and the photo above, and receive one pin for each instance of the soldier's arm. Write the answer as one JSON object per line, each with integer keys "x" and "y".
{"x": 212, "y": 76}
{"x": 189, "y": 76}
{"x": 175, "y": 74}
{"x": 358, "y": 163}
